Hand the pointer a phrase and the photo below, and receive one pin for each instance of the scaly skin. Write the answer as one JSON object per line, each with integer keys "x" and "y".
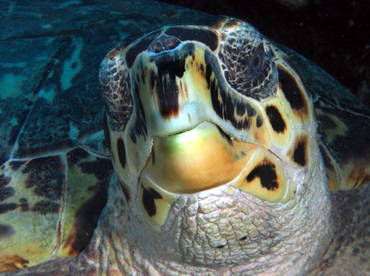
{"x": 288, "y": 242}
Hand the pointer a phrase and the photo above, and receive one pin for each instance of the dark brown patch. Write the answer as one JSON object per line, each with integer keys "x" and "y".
{"x": 121, "y": 151}
{"x": 149, "y": 197}
{"x": 76, "y": 155}
{"x": 276, "y": 120}
{"x": 6, "y": 192}
{"x": 14, "y": 262}
{"x": 224, "y": 104}
{"x": 46, "y": 175}
{"x": 87, "y": 217}
{"x": 299, "y": 152}
{"x": 23, "y": 204}
{"x": 6, "y": 207}
{"x": 291, "y": 89}
{"x": 299, "y": 155}
{"x": 4, "y": 180}
{"x": 170, "y": 66}
{"x": 101, "y": 168}
{"x": 267, "y": 175}
{"x": 6, "y": 231}
{"x": 46, "y": 207}
{"x": 15, "y": 165}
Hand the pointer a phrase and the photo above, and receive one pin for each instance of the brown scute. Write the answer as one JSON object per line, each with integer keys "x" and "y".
{"x": 299, "y": 154}
{"x": 76, "y": 155}
{"x": 15, "y": 165}
{"x": 23, "y": 204}
{"x": 149, "y": 197}
{"x": 12, "y": 263}
{"x": 101, "y": 168}
{"x": 121, "y": 151}
{"x": 6, "y": 207}
{"x": 170, "y": 66}
{"x": 267, "y": 175}
{"x": 139, "y": 47}
{"x": 6, "y": 231}
{"x": 6, "y": 192}
{"x": 45, "y": 207}
{"x": 291, "y": 90}
{"x": 46, "y": 175}
{"x": 275, "y": 118}
{"x": 4, "y": 180}
{"x": 87, "y": 218}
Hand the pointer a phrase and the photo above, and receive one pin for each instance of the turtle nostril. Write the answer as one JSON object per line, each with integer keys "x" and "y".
{"x": 164, "y": 43}
{"x": 157, "y": 47}
{"x": 171, "y": 43}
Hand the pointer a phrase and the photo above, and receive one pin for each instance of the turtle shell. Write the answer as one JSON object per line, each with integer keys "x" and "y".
{"x": 54, "y": 164}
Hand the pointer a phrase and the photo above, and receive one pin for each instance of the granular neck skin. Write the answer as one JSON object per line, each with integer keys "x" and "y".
{"x": 279, "y": 242}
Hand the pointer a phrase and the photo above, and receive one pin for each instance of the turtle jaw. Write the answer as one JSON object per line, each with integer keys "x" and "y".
{"x": 199, "y": 159}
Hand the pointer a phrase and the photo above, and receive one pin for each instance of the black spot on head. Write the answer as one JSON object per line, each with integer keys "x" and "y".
{"x": 170, "y": 66}
{"x": 276, "y": 120}
{"x": 121, "y": 150}
{"x": 45, "y": 207}
{"x": 225, "y": 136}
{"x": 6, "y": 231}
{"x": 259, "y": 121}
{"x": 291, "y": 90}
{"x": 220, "y": 246}
{"x": 299, "y": 155}
{"x": 6, "y": 192}
{"x": 243, "y": 238}
{"x": 5, "y": 207}
{"x": 148, "y": 200}
{"x": 267, "y": 175}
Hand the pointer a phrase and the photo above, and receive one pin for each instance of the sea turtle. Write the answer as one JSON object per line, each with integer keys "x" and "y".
{"x": 232, "y": 156}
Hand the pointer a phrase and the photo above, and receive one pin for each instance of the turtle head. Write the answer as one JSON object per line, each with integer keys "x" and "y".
{"x": 204, "y": 121}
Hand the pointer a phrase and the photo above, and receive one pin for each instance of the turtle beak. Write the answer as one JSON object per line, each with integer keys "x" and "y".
{"x": 199, "y": 159}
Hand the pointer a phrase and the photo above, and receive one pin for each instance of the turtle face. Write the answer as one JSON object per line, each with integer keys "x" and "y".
{"x": 205, "y": 110}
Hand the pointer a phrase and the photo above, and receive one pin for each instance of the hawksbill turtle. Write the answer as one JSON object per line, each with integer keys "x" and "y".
{"x": 223, "y": 153}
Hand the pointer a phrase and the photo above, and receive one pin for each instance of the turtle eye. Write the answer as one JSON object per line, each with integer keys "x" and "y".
{"x": 248, "y": 64}
{"x": 257, "y": 62}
